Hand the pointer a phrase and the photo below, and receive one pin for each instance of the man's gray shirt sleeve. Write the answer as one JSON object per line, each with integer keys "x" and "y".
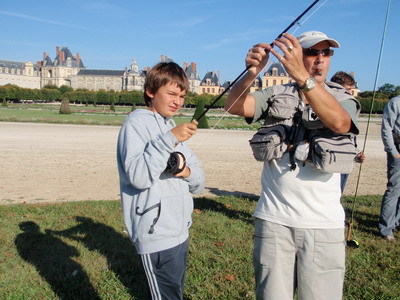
{"x": 390, "y": 125}
{"x": 261, "y": 104}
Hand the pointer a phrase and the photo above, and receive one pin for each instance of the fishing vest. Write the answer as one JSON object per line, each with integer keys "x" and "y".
{"x": 292, "y": 126}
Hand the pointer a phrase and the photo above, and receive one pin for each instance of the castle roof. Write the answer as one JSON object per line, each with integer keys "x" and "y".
{"x": 15, "y": 64}
{"x": 92, "y": 72}
{"x": 62, "y": 57}
{"x": 212, "y": 76}
{"x": 280, "y": 70}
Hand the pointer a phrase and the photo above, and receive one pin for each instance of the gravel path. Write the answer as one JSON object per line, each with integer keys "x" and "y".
{"x": 55, "y": 163}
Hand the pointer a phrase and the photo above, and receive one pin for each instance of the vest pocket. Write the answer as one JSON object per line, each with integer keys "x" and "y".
{"x": 270, "y": 142}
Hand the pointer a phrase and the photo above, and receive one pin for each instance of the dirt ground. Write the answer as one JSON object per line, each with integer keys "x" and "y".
{"x": 55, "y": 163}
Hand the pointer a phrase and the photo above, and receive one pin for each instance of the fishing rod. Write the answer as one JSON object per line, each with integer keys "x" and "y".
{"x": 248, "y": 67}
{"x": 294, "y": 31}
{"x": 353, "y": 242}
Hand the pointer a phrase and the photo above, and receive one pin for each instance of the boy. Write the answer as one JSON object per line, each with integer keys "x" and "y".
{"x": 156, "y": 201}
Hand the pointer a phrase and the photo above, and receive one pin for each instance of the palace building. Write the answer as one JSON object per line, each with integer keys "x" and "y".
{"x": 68, "y": 69}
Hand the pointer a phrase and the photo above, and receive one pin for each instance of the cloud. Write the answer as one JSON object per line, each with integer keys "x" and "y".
{"x": 27, "y": 17}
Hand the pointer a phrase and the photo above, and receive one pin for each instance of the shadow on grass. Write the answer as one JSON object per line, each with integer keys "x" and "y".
{"x": 212, "y": 205}
{"x": 364, "y": 222}
{"x": 218, "y": 192}
{"x": 52, "y": 258}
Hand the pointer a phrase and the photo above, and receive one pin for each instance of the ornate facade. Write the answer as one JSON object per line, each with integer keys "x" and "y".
{"x": 68, "y": 69}
{"x": 210, "y": 84}
{"x": 23, "y": 74}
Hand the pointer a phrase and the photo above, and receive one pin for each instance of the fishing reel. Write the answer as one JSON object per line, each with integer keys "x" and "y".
{"x": 176, "y": 163}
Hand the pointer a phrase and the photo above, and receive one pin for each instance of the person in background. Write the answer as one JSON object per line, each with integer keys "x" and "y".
{"x": 299, "y": 238}
{"x": 345, "y": 80}
{"x": 389, "y": 218}
{"x": 348, "y": 83}
{"x": 157, "y": 172}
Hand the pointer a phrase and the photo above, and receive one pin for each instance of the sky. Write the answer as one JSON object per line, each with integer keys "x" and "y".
{"x": 215, "y": 34}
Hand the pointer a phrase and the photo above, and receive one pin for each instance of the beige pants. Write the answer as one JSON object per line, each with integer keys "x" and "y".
{"x": 309, "y": 260}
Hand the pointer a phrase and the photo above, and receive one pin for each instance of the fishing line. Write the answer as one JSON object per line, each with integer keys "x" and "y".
{"x": 248, "y": 67}
{"x": 350, "y": 225}
{"x": 272, "y": 59}
{"x": 298, "y": 26}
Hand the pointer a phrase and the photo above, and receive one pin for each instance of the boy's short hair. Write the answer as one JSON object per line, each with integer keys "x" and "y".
{"x": 162, "y": 74}
{"x": 343, "y": 78}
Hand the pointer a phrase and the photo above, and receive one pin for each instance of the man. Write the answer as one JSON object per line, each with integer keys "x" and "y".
{"x": 345, "y": 80}
{"x": 299, "y": 226}
{"x": 348, "y": 83}
{"x": 390, "y": 209}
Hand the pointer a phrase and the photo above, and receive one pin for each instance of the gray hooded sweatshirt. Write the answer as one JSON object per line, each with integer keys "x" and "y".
{"x": 156, "y": 206}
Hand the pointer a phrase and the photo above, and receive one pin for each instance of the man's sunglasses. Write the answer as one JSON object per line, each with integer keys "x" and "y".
{"x": 316, "y": 52}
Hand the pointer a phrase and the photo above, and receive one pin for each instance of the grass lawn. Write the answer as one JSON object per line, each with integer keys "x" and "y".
{"x": 102, "y": 115}
{"x": 79, "y": 250}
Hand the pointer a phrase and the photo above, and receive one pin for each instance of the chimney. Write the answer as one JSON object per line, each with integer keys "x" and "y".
{"x": 44, "y": 55}
{"x": 78, "y": 59}
{"x": 162, "y": 58}
{"x": 219, "y": 76}
{"x": 185, "y": 65}
{"x": 40, "y": 64}
{"x": 352, "y": 74}
{"x": 193, "y": 65}
{"x": 57, "y": 50}
{"x": 61, "y": 57}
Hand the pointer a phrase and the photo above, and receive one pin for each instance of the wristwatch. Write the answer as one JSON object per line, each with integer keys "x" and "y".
{"x": 308, "y": 85}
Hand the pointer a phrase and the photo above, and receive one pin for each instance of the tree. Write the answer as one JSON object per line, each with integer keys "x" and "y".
{"x": 203, "y": 122}
{"x": 65, "y": 89}
{"x": 387, "y": 88}
{"x": 113, "y": 98}
{"x": 64, "y": 108}
{"x": 102, "y": 97}
{"x": 3, "y": 95}
{"x": 50, "y": 86}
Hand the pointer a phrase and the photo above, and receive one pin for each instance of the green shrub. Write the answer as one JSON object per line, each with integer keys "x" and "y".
{"x": 203, "y": 122}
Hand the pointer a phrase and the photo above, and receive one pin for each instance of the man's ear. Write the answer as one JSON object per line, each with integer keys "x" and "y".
{"x": 148, "y": 93}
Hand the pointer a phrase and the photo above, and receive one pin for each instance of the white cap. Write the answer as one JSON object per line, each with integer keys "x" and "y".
{"x": 310, "y": 38}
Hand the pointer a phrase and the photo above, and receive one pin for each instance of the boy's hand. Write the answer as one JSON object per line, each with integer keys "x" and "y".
{"x": 184, "y": 131}
{"x": 184, "y": 174}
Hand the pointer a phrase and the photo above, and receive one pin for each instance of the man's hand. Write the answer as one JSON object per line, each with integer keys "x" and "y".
{"x": 184, "y": 131}
{"x": 292, "y": 58}
{"x": 257, "y": 58}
